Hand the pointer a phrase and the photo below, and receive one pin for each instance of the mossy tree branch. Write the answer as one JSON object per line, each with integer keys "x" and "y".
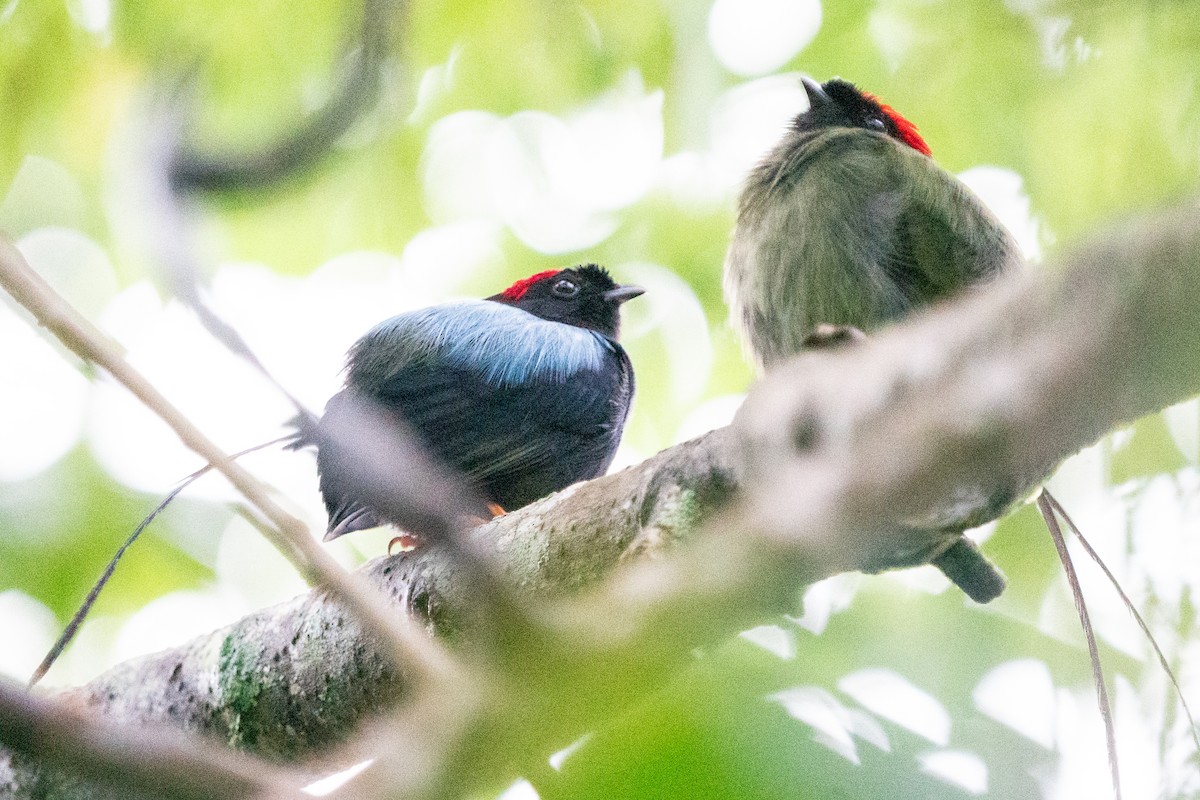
{"x": 864, "y": 459}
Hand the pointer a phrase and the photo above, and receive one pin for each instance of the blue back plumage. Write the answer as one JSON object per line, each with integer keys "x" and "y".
{"x": 506, "y": 346}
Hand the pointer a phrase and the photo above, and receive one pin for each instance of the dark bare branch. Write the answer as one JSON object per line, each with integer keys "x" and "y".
{"x": 301, "y": 149}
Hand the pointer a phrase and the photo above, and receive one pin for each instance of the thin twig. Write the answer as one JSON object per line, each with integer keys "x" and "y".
{"x": 1162, "y": 659}
{"x": 409, "y": 645}
{"x": 81, "y": 613}
{"x": 418, "y": 493}
{"x": 1060, "y": 544}
{"x": 175, "y": 170}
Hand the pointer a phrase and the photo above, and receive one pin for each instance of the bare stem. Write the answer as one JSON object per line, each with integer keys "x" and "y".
{"x": 410, "y": 646}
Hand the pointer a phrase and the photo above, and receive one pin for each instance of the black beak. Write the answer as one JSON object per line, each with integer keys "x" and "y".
{"x": 816, "y": 95}
{"x": 622, "y": 293}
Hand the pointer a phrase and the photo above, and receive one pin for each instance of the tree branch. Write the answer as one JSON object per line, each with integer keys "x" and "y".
{"x": 129, "y": 762}
{"x": 865, "y": 459}
{"x": 290, "y": 535}
{"x": 301, "y": 148}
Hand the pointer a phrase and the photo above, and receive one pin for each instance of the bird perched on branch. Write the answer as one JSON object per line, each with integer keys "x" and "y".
{"x": 849, "y": 223}
{"x": 523, "y": 393}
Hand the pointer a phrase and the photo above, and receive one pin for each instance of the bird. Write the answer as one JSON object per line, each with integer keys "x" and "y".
{"x": 848, "y": 225}
{"x": 523, "y": 393}
{"x": 848, "y": 222}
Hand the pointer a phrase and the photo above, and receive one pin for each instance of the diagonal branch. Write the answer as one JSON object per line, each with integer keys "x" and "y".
{"x": 408, "y": 645}
{"x": 130, "y": 762}
{"x": 868, "y": 459}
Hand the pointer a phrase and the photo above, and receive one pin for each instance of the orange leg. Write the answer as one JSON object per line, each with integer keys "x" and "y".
{"x": 406, "y": 542}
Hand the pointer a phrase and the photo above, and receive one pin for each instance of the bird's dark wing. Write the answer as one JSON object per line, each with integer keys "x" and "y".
{"x": 521, "y": 414}
{"x": 517, "y": 442}
{"x": 943, "y": 238}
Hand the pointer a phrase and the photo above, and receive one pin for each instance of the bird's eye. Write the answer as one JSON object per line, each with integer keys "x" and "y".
{"x": 876, "y": 124}
{"x": 565, "y": 288}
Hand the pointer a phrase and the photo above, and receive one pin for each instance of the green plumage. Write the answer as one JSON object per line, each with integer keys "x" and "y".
{"x": 850, "y": 226}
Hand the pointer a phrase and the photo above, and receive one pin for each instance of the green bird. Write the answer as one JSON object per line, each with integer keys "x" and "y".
{"x": 847, "y": 225}
{"x": 849, "y": 222}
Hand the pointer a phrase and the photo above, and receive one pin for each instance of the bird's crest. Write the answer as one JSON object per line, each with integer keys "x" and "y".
{"x": 593, "y": 273}
{"x": 908, "y": 131}
{"x": 518, "y": 289}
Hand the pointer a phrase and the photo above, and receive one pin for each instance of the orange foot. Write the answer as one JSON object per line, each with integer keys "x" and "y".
{"x": 404, "y": 543}
{"x": 475, "y": 520}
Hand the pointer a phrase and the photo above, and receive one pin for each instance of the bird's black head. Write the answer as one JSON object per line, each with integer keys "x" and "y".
{"x": 584, "y": 296}
{"x": 841, "y": 104}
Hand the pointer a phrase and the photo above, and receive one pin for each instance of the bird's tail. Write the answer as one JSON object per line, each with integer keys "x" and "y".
{"x": 291, "y": 441}
{"x": 304, "y": 433}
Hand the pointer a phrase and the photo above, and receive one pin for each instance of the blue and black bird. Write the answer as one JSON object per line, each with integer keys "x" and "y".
{"x": 523, "y": 393}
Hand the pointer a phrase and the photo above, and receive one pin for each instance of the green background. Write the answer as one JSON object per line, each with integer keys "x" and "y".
{"x": 1095, "y": 106}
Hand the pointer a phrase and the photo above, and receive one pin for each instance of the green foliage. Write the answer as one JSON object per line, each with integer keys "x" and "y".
{"x": 57, "y": 554}
{"x": 1094, "y": 106}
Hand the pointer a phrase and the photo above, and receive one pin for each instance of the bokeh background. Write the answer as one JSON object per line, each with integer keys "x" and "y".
{"x": 512, "y": 137}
